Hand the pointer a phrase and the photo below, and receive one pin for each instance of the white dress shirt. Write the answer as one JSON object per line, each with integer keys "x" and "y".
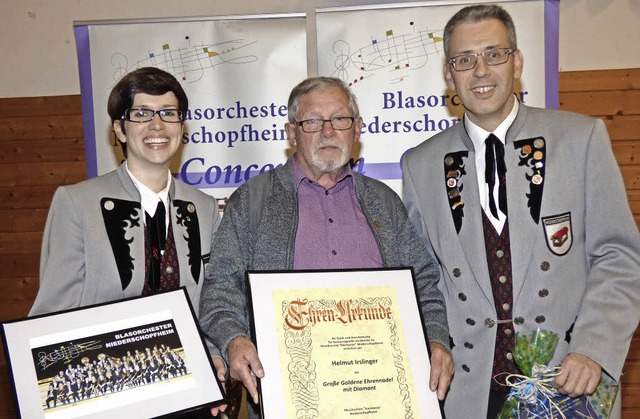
{"x": 149, "y": 199}
{"x": 478, "y": 137}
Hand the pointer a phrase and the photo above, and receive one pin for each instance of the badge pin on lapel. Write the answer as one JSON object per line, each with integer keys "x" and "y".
{"x": 533, "y": 157}
{"x": 453, "y": 172}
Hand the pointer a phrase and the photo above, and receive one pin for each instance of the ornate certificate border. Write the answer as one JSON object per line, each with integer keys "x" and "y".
{"x": 119, "y": 359}
{"x": 341, "y": 344}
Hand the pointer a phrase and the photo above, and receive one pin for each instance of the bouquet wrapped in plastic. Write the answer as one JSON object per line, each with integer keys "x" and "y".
{"x": 532, "y": 394}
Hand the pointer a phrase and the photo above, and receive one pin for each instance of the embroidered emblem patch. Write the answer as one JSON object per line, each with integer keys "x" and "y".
{"x": 557, "y": 231}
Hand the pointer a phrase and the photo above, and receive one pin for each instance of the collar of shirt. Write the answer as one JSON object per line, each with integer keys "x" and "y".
{"x": 478, "y": 136}
{"x": 299, "y": 175}
{"x": 149, "y": 199}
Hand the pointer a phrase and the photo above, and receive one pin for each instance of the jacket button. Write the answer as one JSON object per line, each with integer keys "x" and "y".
{"x": 545, "y": 266}
{"x": 471, "y": 322}
{"x": 462, "y": 297}
{"x": 518, "y": 320}
{"x": 543, "y": 292}
{"x": 466, "y": 368}
{"x": 468, "y": 345}
{"x": 540, "y": 319}
{"x": 457, "y": 272}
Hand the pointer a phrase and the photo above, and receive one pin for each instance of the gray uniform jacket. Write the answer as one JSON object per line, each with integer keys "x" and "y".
{"x": 93, "y": 244}
{"x": 575, "y": 247}
{"x": 258, "y": 232}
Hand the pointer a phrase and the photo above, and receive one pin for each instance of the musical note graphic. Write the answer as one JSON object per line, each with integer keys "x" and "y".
{"x": 396, "y": 53}
{"x": 189, "y": 61}
{"x": 66, "y": 353}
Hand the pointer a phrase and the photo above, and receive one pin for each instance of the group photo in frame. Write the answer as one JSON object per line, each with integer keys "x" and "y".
{"x": 341, "y": 343}
{"x": 118, "y": 359}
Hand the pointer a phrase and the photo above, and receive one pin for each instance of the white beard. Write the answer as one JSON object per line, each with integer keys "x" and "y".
{"x": 329, "y": 165}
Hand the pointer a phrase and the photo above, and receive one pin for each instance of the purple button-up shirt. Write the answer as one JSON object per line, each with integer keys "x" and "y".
{"x": 333, "y": 232}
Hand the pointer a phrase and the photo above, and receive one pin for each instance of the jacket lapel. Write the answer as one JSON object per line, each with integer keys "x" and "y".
{"x": 471, "y": 234}
{"x": 525, "y": 185}
{"x": 123, "y": 221}
{"x": 186, "y": 228}
{"x": 280, "y": 211}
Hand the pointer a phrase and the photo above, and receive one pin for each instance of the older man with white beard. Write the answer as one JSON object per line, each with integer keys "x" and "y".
{"x": 314, "y": 212}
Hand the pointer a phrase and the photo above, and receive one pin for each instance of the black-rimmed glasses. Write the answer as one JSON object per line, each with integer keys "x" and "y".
{"x": 315, "y": 125}
{"x": 494, "y": 56}
{"x": 141, "y": 115}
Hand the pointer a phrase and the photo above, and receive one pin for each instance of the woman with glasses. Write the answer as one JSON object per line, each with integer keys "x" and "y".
{"x": 136, "y": 230}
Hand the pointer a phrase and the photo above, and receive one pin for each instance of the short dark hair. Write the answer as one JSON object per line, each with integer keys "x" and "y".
{"x": 319, "y": 83}
{"x": 149, "y": 80}
{"x": 479, "y": 13}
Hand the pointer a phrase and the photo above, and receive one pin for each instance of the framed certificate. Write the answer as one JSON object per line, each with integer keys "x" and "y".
{"x": 137, "y": 358}
{"x": 341, "y": 344}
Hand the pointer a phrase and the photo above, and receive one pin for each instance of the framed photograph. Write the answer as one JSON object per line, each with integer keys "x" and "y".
{"x": 137, "y": 358}
{"x": 339, "y": 344}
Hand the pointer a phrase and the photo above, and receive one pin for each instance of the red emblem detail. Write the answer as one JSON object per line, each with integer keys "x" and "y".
{"x": 560, "y": 237}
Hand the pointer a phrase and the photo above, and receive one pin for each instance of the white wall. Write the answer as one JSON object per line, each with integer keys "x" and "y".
{"x": 39, "y": 55}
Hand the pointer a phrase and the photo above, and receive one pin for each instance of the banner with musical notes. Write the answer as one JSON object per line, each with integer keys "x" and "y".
{"x": 237, "y": 72}
{"x": 392, "y": 57}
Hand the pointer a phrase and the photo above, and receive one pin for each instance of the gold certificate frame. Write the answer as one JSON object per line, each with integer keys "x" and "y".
{"x": 341, "y": 344}
{"x": 137, "y": 358}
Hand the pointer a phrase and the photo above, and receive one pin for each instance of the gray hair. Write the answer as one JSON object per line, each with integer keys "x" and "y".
{"x": 479, "y": 13}
{"x": 319, "y": 83}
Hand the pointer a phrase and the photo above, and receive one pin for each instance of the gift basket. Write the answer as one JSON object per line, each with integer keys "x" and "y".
{"x": 532, "y": 394}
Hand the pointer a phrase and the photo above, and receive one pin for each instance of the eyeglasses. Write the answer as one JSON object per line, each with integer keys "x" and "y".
{"x": 141, "y": 115}
{"x": 495, "y": 56}
{"x": 315, "y": 125}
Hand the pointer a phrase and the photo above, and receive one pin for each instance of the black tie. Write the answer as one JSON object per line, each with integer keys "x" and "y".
{"x": 157, "y": 239}
{"x": 494, "y": 154}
